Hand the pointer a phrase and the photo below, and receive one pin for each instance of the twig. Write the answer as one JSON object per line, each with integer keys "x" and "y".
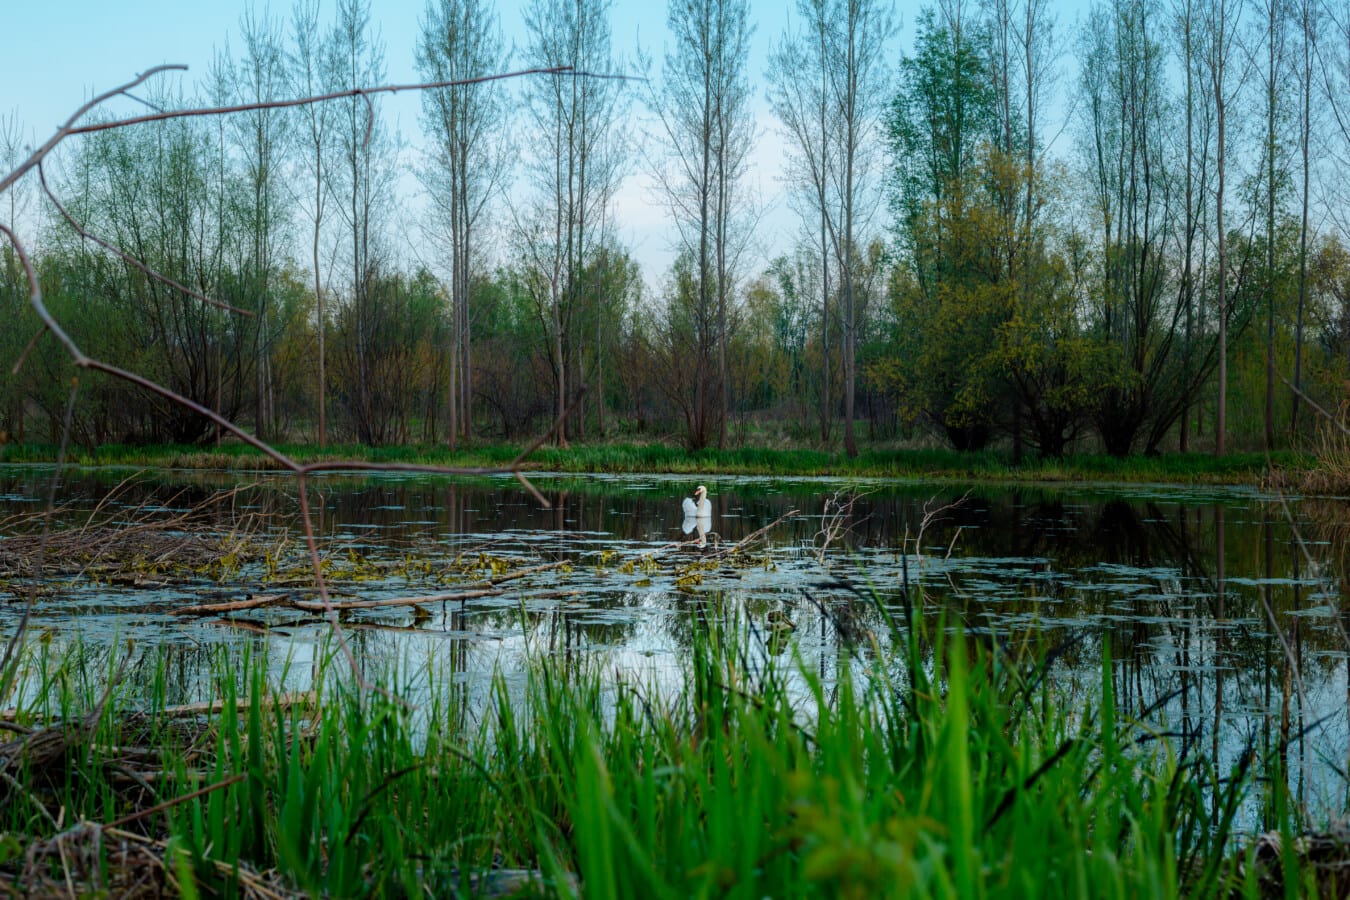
{"x": 754, "y": 536}
{"x": 336, "y": 95}
{"x": 176, "y": 801}
{"x": 211, "y": 707}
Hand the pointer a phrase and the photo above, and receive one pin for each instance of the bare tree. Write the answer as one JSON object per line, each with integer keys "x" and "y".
{"x": 364, "y": 181}
{"x": 575, "y": 164}
{"x": 799, "y": 95}
{"x": 312, "y": 66}
{"x": 1269, "y": 35}
{"x": 1194, "y": 176}
{"x": 706, "y": 130}
{"x": 261, "y": 140}
{"x": 858, "y": 83}
{"x": 468, "y": 162}
{"x": 1308, "y": 15}
{"x": 829, "y": 86}
{"x": 1219, "y": 21}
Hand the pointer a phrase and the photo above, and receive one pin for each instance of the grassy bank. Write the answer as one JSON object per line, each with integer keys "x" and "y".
{"x": 1192, "y": 468}
{"x": 941, "y": 772}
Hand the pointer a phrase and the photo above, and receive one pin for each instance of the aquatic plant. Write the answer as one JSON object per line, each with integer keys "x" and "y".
{"x": 941, "y": 768}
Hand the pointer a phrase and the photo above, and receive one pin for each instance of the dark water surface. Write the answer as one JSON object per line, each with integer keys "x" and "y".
{"x": 1222, "y": 605}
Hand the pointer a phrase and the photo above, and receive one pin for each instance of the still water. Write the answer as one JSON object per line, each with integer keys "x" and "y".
{"x": 1222, "y": 606}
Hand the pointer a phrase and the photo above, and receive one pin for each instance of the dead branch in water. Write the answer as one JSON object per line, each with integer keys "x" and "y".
{"x": 753, "y": 536}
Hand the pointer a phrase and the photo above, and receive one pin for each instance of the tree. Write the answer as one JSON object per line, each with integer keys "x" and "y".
{"x": 1219, "y": 28}
{"x": 707, "y": 133}
{"x": 312, "y": 72}
{"x": 946, "y": 297}
{"x": 13, "y": 297}
{"x": 364, "y": 181}
{"x": 260, "y": 140}
{"x": 1195, "y": 174}
{"x": 461, "y": 39}
{"x": 836, "y": 69}
{"x": 1308, "y": 17}
{"x": 1021, "y": 72}
{"x": 799, "y": 96}
{"x": 575, "y": 164}
{"x": 1272, "y": 74}
{"x": 1128, "y": 123}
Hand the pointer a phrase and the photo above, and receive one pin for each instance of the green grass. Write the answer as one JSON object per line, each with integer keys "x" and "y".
{"x": 940, "y": 771}
{"x": 1191, "y": 468}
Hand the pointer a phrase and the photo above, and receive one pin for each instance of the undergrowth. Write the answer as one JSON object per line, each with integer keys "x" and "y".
{"x": 937, "y": 769}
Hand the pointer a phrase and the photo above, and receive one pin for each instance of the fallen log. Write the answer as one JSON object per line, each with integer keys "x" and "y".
{"x": 320, "y": 606}
{"x": 212, "y": 609}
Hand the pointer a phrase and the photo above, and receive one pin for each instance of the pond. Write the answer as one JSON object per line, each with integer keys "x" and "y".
{"x": 1221, "y": 605}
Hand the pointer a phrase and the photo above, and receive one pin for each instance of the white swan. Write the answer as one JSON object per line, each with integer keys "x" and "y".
{"x": 698, "y": 505}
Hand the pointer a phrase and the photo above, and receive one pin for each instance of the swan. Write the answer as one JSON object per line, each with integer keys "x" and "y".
{"x": 698, "y": 505}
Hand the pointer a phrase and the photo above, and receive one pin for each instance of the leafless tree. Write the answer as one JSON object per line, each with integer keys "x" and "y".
{"x": 468, "y": 162}
{"x": 1220, "y": 21}
{"x": 829, "y": 86}
{"x": 364, "y": 180}
{"x": 311, "y": 70}
{"x": 261, "y": 138}
{"x": 706, "y": 132}
{"x": 575, "y": 161}
{"x": 799, "y": 95}
{"x": 1194, "y": 248}
{"x": 1268, "y": 40}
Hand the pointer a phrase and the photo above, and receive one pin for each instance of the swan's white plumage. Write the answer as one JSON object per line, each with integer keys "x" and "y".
{"x": 698, "y": 505}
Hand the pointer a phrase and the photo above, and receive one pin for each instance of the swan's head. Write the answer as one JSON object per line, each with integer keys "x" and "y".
{"x": 700, "y": 492}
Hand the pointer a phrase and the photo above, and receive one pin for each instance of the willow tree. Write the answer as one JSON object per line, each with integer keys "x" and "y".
{"x": 946, "y": 295}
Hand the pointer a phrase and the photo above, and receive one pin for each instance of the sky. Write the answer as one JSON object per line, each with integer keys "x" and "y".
{"x": 64, "y": 51}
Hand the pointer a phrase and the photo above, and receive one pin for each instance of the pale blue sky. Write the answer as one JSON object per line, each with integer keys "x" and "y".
{"x": 62, "y": 51}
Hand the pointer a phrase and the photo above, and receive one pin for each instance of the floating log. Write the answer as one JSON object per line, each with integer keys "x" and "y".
{"x": 213, "y": 609}
{"x": 319, "y": 606}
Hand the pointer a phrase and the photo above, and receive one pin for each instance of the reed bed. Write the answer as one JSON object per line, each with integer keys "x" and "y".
{"x": 938, "y": 768}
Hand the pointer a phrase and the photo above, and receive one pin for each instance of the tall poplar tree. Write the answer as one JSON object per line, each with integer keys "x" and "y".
{"x": 461, "y": 39}
{"x": 575, "y": 161}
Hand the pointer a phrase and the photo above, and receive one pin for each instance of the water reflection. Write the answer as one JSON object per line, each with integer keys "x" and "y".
{"x": 1224, "y": 628}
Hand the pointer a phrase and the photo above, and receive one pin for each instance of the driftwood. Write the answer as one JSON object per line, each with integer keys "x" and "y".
{"x": 320, "y": 606}
{"x": 752, "y": 536}
{"x": 213, "y": 609}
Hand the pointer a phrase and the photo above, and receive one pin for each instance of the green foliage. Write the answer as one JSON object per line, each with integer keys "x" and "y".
{"x": 937, "y": 767}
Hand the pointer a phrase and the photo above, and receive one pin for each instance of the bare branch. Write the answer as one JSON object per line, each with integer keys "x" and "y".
{"x": 61, "y": 133}
{"x": 127, "y": 257}
{"x": 336, "y": 95}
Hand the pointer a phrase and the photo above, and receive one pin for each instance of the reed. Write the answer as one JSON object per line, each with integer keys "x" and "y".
{"x": 924, "y": 766}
